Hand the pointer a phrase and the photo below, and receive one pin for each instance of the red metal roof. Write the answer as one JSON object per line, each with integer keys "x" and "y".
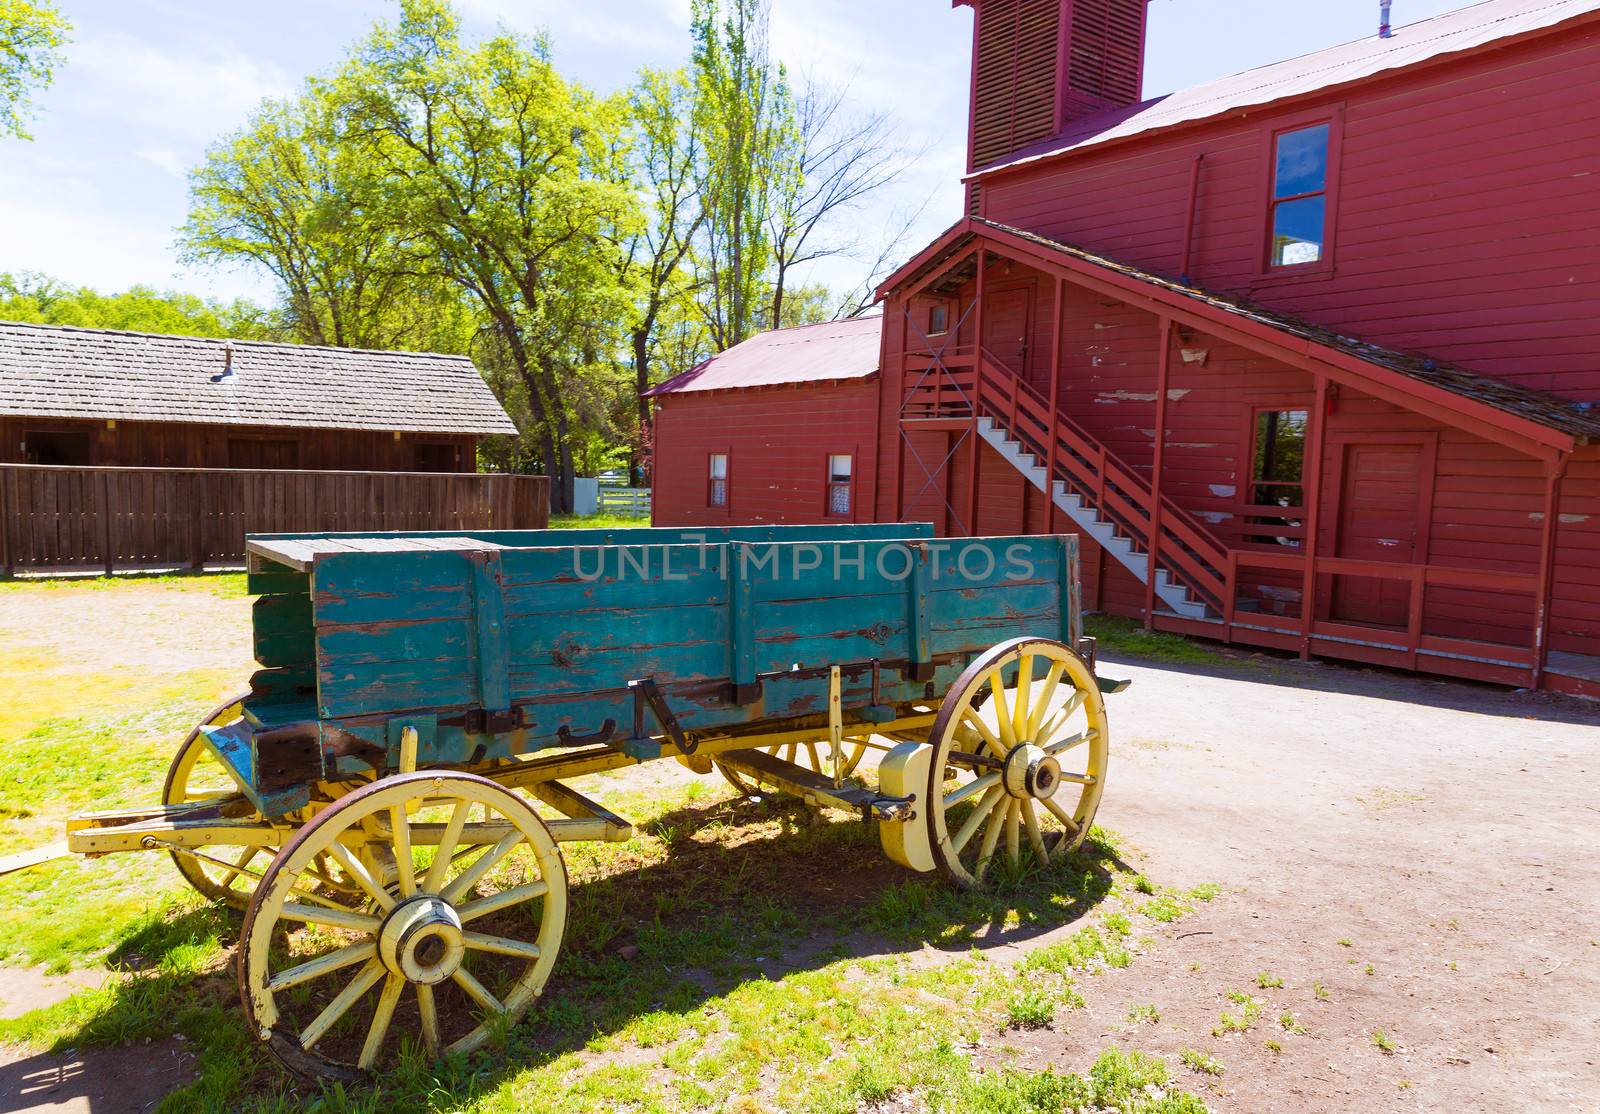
{"x": 1468, "y": 29}
{"x": 825, "y": 353}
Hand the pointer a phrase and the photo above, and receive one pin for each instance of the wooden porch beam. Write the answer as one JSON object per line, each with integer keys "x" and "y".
{"x": 977, "y": 391}
{"x": 1547, "y": 570}
{"x": 1311, "y": 485}
{"x": 1153, "y": 549}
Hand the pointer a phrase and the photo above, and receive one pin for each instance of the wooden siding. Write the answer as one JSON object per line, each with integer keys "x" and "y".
{"x": 192, "y": 445}
{"x": 126, "y": 518}
{"x": 778, "y": 440}
{"x": 1467, "y": 222}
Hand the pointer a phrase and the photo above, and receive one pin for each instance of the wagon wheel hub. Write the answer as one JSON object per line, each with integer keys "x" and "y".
{"x": 1031, "y": 772}
{"x": 421, "y": 940}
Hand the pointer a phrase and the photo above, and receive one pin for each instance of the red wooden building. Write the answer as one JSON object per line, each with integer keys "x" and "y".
{"x": 780, "y": 429}
{"x": 1308, "y": 355}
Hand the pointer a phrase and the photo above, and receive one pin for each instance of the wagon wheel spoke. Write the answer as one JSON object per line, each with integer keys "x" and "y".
{"x": 971, "y": 719}
{"x": 412, "y": 932}
{"x": 1020, "y": 706}
{"x": 985, "y": 810}
{"x": 1047, "y": 693}
{"x": 1035, "y": 837}
{"x": 1002, "y": 712}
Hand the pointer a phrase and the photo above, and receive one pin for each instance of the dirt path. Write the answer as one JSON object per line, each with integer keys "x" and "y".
{"x": 1444, "y": 831}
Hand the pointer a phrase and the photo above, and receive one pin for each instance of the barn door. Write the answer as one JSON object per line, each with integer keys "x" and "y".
{"x": 1380, "y": 520}
{"x": 1007, "y": 322}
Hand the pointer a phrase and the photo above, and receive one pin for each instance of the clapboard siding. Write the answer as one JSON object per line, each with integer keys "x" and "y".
{"x": 1468, "y": 223}
{"x": 778, "y": 440}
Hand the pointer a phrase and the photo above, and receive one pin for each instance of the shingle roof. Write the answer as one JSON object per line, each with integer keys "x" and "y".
{"x": 830, "y": 352}
{"x": 66, "y": 372}
{"x": 1546, "y": 410}
{"x": 1451, "y": 33}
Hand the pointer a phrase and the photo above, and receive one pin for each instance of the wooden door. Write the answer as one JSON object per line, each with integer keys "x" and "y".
{"x": 1380, "y": 511}
{"x": 1007, "y": 321}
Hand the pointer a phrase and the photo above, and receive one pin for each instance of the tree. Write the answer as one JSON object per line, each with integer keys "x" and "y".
{"x": 509, "y": 183}
{"x": 664, "y": 157}
{"x": 842, "y": 160}
{"x": 290, "y": 194}
{"x": 32, "y": 33}
{"x": 745, "y": 117}
{"x": 38, "y": 299}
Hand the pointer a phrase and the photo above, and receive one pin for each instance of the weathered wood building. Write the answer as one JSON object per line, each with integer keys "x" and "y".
{"x": 1309, "y": 356}
{"x": 132, "y": 451}
{"x": 95, "y": 396}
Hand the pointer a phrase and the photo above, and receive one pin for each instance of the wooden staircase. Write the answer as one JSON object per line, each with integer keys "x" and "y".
{"x": 1107, "y": 499}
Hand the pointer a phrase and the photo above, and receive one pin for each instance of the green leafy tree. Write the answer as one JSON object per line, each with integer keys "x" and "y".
{"x": 32, "y": 33}
{"x": 510, "y": 183}
{"x": 745, "y": 117}
{"x": 38, "y": 299}
{"x": 292, "y": 194}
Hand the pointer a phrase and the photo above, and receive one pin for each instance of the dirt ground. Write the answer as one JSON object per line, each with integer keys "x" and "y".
{"x": 1423, "y": 850}
{"x": 1408, "y": 856}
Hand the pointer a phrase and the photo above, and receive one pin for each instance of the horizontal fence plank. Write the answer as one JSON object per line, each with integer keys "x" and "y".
{"x": 68, "y": 518}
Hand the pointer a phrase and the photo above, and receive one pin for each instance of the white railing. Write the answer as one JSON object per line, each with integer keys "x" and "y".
{"x": 628, "y": 502}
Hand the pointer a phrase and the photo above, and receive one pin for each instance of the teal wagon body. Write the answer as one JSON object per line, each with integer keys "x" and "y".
{"x": 497, "y": 644}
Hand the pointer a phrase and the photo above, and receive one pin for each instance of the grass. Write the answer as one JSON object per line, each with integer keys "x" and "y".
{"x": 1127, "y": 636}
{"x": 1383, "y": 1042}
{"x": 1146, "y": 1015}
{"x": 736, "y": 952}
{"x": 596, "y": 522}
{"x": 1249, "y": 1013}
{"x": 1198, "y": 1061}
{"x": 1289, "y": 1023}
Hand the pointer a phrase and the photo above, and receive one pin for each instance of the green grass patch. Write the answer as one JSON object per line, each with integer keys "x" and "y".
{"x": 1118, "y": 635}
{"x": 1199, "y": 1061}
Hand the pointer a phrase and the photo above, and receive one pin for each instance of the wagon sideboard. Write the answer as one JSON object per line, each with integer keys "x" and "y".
{"x": 498, "y": 644}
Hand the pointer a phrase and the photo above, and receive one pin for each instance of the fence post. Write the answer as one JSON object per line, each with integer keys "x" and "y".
{"x": 107, "y": 555}
{"x": 7, "y": 505}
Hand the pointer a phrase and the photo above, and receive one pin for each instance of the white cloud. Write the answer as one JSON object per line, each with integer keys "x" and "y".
{"x": 198, "y": 85}
{"x": 164, "y": 157}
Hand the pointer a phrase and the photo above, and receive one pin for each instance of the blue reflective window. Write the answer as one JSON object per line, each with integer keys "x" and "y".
{"x": 1300, "y": 196}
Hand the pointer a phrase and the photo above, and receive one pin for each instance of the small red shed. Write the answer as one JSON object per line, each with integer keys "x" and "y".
{"x": 780, "y": 429}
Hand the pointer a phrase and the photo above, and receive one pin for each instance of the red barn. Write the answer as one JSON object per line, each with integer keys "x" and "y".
{"x": 1309, "y": 355}
{"x": 780, "y": 429}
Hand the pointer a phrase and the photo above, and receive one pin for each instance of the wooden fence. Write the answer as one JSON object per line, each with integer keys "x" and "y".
{"x": 62, "y": 518}
{"x": 627, "y": 502}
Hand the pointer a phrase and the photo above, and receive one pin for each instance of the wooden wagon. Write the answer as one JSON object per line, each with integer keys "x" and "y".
{"x": 374, "y": 801}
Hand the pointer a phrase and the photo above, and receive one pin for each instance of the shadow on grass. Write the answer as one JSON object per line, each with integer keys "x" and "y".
{"x": 738, "y": 890}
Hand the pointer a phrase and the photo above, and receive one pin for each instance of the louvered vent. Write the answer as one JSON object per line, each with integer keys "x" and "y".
{"x": 1106, "y": 66}
{"x": 1014, "y": 101}
{"x": 974, "y": 199}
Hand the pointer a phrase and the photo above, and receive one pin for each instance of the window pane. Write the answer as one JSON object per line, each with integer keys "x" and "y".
{"x": 1302, "y": 162}
{"x": 719, "y": 493}
{"x": 1280, "y": 457}
{"x": 719, "y": 466}
{"x": 1297, "y": 231}
{"x": 840, "y": 468}
{"x": 938, "y": 319}
{"x": 838, "y": 498}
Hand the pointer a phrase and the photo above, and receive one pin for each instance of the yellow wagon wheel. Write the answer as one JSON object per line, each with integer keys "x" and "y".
{"x": 194, "y": 776}
{"x": 222, "y": 872}
{"x": 1019, "y": 762}
{"x": 814, "y": 756}
{"x": 454, "y": 947}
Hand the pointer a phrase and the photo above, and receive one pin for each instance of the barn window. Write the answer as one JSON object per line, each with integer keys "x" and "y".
{"x": 717, "y": 481}
{"x": 55, "y": 446}
{"x": 938, "y": 319}
{"x": 1278, "y": 476}
{"x": 1300, "y": 196}
{"x": 841, "y": 470}
{"x": 433, "y": 456}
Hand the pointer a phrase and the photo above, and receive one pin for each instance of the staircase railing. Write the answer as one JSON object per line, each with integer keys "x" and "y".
{"x": 1089, "y": 470}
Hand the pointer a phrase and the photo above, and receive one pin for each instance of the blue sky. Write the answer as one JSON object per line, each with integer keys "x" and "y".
{"x": 95, "y": 198}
